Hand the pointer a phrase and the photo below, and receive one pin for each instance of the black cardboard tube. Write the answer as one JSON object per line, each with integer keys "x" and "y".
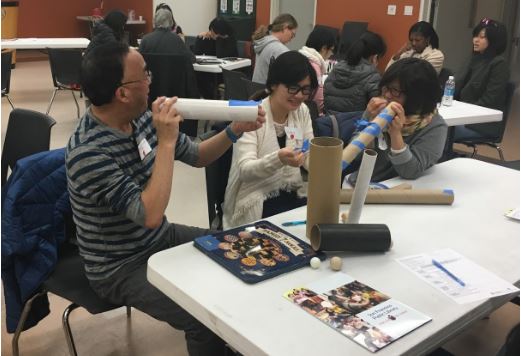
{"x": 351, "y": 237}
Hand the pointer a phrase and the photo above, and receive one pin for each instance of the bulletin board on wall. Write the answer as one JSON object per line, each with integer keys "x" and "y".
{"x": 241, "y": 15}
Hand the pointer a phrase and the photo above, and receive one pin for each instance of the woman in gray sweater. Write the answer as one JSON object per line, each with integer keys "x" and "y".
{"x": 415, "y": 139}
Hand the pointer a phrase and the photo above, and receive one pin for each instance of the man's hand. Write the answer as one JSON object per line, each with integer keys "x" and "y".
{"x": 375, "y": 105}
{"x": 207, "y": 35}
{"x": 166, "y": 120}
{"x": 238, "y": 127}
{"x": 291, "y": 157}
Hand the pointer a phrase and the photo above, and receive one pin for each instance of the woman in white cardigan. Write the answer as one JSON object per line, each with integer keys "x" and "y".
{"x": 265, "y": 176}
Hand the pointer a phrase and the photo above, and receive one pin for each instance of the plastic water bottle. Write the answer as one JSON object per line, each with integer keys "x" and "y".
{"x": 448, "y": 93}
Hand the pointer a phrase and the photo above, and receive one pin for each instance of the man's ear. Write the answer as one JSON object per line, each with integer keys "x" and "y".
{"x": 121, "y": 94}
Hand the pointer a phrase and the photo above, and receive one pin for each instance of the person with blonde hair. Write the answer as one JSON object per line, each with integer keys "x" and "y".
{"x": 269, "y": 42}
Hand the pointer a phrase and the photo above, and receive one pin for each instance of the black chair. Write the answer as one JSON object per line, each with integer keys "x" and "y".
{"x": 234, "y": 86}
{"x": 6, "y": 75}
{"x": 445, "y": 73}
{"x": 190, "y": 42}
{"x": 351, "y": 31}
{"x": 491, "y": 134}
{"x": 28, "y": 132}
{"x": 68, "y": 281}
{"x": 252, "y": 87}
{"x": 173, "y": 75}
{"x": 65, "y": 70}
{"x": 216, "y": 181}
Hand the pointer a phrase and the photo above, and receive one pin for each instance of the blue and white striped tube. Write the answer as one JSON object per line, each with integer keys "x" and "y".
{"x": 365, "y": 137}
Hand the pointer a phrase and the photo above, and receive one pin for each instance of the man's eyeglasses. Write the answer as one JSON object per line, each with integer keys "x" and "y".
{"x": 294, "y": 89}
{"x": 148, "y": 76}
{"x": 394, "y": 91}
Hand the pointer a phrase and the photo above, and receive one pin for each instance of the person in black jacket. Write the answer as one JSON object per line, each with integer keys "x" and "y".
{"x": 110, "y": 29}
{"x": 162, "y": 40}
{"x": 485, "y": 79}
{"x": 218, "y": 41}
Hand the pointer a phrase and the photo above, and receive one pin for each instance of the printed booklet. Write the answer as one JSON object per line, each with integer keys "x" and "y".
{"x": 257, "y": 251}
{"x": 363, "y": 314}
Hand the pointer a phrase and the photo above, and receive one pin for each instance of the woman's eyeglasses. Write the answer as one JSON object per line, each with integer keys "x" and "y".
{"x": 394, "y": 91}
{"x": 486, "y": 21}
{"x": 294, "y": 89}
{"x": 148, "y": 76}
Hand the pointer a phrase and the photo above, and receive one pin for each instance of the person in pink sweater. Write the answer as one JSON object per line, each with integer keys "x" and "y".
{"x": 319, "y": 47}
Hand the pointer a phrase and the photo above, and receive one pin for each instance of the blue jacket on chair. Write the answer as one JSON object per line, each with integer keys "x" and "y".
{"x": 34, "y": 203}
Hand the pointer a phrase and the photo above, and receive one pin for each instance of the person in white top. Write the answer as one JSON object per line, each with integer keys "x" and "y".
{"x": 265, "y": 177}
{"x": 423, "y": 43}
{"x": 320, "y": 45}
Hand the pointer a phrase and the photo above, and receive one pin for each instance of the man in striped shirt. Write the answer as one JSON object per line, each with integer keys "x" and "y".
{"x": 120, "y": 163}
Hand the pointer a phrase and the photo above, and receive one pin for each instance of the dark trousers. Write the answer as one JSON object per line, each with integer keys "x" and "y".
{"x": 129, "y": 286}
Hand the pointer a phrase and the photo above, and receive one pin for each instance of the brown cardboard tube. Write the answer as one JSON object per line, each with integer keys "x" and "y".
{"x": 402, "y": 196}
{"x": 324, "y": 178}
{"x": 351, "y": 237}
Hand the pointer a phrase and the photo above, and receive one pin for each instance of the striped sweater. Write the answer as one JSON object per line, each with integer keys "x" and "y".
{"x": 106, "y": 176}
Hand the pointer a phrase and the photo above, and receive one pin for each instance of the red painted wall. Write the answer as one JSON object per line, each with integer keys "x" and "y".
{"x": 393, "y": 29}
{"x": 57, "y": 18}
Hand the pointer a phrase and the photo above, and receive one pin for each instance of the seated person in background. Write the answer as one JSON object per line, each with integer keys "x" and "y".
{"x": 162, "y": 40}
{"x": 354, "y": 80}
{"x": 269, "y": 42}
{"x": 319, "y": 47}
{"x": 485, "y": 78}
{"x": 110, "y": 29}
{"x": 218, "y": 41}
{"x": 415, "y": 139}
{"x": 120, "y": 165}
{"x": 175, "y": 28}
{"x": 423, "y": 43}
{"x": 265, "y": 177}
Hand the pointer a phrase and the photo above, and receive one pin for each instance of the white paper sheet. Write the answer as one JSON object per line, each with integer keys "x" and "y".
{"x": 479, "y": 282}
{"x": 513, "y": 214}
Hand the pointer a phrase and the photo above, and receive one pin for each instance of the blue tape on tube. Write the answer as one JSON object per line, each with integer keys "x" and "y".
{"x": 386, "y": 117}
{"x": 373, "y": 129}
{"x": 344, "y": 165}
{"x": 448, "y": 191}
{"x": 358, "y": 144}
{"x": 243, "y": 103}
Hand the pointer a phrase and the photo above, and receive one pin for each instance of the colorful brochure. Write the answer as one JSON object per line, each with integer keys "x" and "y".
{"x": 363, "y": 314}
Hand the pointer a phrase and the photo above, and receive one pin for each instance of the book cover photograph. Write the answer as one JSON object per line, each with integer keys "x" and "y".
{"x": 257, "y": 251}
{"x": 363, "y": 314}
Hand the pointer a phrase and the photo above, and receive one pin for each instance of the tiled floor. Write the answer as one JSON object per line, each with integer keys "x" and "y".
{"x": 111, "y": 333}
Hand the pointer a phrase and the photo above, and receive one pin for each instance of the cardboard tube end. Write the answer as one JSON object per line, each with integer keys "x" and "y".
{"x": 315, "y": 237}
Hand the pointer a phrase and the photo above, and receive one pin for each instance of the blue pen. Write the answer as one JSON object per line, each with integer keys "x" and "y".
{"x": 440, "y": 266}
{"x": 294, "y": 223}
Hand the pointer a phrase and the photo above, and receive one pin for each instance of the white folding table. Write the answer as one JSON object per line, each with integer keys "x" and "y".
{"x": 257, "y": 320}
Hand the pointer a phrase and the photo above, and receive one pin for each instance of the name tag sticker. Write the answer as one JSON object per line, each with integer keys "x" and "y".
{"x": 144, "y": 148}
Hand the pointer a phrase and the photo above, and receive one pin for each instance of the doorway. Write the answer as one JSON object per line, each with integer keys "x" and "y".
{"x": 303, "y": 11}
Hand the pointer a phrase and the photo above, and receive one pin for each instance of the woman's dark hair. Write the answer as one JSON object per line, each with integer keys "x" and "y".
{"x": 427, "y": 31}
{"x": 321, "y": 37}
{"x": 496, "y": 34}
{"x": 289, "y": 68}
{"x": 166, "y": 7}
{"x": 367, "y": 45}
{"x": 221, "y": 27}
{"x": 418, "y": 82}
{"x": 278, "y": 24}
{"x": 102, "y": 70}
{"x": 116, "y": 20}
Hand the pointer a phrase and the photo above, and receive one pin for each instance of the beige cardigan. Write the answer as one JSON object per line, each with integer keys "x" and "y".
{"x": 432, "y": 55}
{"x": 257, "y": 173}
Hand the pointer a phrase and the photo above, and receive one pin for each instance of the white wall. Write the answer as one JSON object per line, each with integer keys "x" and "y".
{"x": 192, "y": 15}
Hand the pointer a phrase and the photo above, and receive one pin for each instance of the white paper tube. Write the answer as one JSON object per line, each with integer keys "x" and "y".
{"x": 362, "y": 185}
{"x": 217, "y": 110}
